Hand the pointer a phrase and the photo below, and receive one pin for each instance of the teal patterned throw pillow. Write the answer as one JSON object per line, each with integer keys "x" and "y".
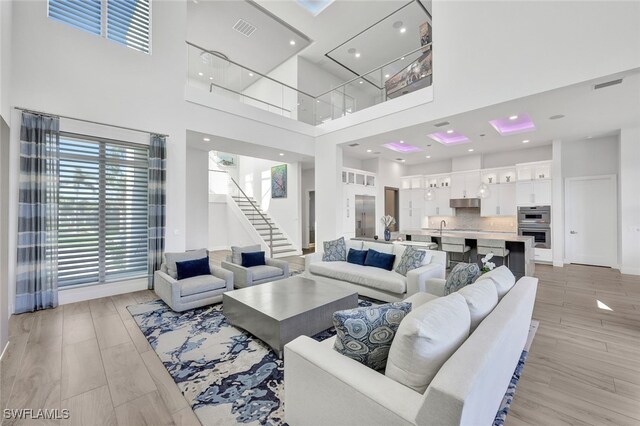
{"x": 365, "y": 334}
{"x": 460, "y": 276}
{"x": 411, "y": 259}
{"x": 335, "y": 251}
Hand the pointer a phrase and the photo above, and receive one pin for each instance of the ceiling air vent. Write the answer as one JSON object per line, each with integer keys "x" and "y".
{"x": 244, "y": 28}
{"x": 443, "y": 123}
{"x": 607, "y": 84}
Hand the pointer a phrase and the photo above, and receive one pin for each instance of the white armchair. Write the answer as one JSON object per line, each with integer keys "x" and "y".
{"x": 194, "y": 292}
{"x": 272, "y": 270}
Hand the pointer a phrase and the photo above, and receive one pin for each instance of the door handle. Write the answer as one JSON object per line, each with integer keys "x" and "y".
{"x": 573, "y": 232}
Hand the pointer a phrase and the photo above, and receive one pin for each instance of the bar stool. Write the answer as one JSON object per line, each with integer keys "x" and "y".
{"x": 455, "y": 245}
{"x": 497, "y": 247}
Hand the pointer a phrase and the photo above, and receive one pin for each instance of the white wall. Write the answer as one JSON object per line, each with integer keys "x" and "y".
{"x": 351, "y": 162}
{"x": 389, "y": 174}
{"x": 307, "y": 183}
{"x": 591, "y": 157}
{"x": 6, "y": 8}
{"x": 254, "y": 176}
{"x": 284, "y": 99}
{"x": 197, "y": 199}
{"x": 225, "y": 228}
{"x": 630, "y": 200}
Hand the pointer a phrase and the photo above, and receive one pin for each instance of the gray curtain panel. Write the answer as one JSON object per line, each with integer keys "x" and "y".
{"x": 37, "y": 263}
{"x": 157, "y": 202}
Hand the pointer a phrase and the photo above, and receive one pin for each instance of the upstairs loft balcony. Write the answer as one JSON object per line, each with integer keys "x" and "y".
{"x": 213, "y": 72}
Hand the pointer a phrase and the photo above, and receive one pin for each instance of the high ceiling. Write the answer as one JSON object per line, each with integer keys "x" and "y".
{"x": 278, "y": 22}
{"x": 587, "y": 113}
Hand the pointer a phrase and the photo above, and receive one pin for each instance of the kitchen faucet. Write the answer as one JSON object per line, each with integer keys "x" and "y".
{"x": 442, "y": 223}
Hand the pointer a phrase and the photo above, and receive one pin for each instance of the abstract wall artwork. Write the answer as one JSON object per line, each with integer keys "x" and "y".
{"x": 279, "y": 181}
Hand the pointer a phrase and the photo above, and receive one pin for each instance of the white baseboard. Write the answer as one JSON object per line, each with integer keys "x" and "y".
{"x": 4, "y": 350}
{"x": 558, "y": 263}
{"x": 630, "y": 271}
{"x": 80, "y": 294}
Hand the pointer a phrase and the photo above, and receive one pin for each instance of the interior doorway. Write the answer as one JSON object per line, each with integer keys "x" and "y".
{"x": 392, "y": 205}
{"x": 591, "y": 226}
{"x": 312, "y": 219}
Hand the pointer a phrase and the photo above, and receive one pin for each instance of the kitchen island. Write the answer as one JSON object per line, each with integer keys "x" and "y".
{"x": 521, "y": 254}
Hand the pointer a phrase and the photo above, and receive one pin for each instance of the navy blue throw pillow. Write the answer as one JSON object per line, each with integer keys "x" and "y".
{"x": 356, "y": 256}
{"x": 379, "y": 260}
{"x": 255, "y": 258}
{"x": 193, "y": 268}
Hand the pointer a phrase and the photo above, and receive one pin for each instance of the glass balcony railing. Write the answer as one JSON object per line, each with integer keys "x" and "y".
{"x": 214, "y": 72}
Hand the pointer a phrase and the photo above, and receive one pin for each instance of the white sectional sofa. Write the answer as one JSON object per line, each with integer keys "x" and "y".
{"x": 326, "y": 387}
{"x": 373, "y": 282}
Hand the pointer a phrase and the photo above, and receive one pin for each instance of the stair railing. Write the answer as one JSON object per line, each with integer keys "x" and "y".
{"x": 253, "y": 205}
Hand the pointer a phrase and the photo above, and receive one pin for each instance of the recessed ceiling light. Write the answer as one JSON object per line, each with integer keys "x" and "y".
{"x": 361, "y": 82}
{"x": 250, "y": 74}
{"x": 470, "y": 149}
{"x": 402, "y": 160}
{"x": 210, "y": 78}
{"x": 357, "y": 54}
{"x": 428, "y": 156}
{"x": 318, "y": 101}
{"x": 402, "y": 59}
{"x": 282, "y": 154}
{"x": 292, "y": 42}
{"x": 206, "y": 139}
{"x": 200, "y": 74}
{"x": 368, "y": 150}
{"x": 449, "y": 131}
{"x": 403, "y": 30}
{"x": 526, "y": 141}
{"x": 401, "y": 141}
{"x": 386, "y": 76}
{"x": 513, "y": 117}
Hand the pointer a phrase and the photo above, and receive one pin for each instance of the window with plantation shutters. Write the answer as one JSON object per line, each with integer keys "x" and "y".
{"x": 127, "y": 22}
{"x": 103, "y": 211}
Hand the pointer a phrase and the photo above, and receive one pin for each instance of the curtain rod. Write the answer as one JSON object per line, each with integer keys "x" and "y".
{"x": 89, "y": 121}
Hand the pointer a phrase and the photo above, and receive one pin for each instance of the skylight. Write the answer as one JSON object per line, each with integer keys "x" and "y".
{"x": 314, "y": 7}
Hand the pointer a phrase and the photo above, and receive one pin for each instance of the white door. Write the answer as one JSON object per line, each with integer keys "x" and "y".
{"x": 591, "y": 220}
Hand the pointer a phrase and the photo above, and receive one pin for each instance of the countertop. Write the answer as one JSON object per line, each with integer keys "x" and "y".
{"x": 472, "y": 235}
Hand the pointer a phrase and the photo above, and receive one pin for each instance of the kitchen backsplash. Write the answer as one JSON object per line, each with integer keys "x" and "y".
{"x": 471, "y": 219}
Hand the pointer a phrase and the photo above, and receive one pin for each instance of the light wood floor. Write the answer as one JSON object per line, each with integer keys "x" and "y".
{"x": 91, "y": 358}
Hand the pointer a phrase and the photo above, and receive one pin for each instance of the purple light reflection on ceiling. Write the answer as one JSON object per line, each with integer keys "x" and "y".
{"x": 401, "y": 147}
{"x": 453, "y": 138}
{"x": 506, "y": 126}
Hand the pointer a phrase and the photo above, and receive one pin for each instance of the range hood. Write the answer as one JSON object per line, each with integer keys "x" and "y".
{"x": 457, "y": 203}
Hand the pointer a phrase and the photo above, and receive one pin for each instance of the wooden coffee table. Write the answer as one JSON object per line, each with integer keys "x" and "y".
{"x": 279, "y": 311}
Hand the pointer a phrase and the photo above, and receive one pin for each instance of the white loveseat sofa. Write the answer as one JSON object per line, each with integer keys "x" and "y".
{"x": 374, "y": 282}
{"x": 467, "y": 390}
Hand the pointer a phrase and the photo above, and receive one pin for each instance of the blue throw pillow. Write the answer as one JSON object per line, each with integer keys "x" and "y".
{"x": 255, "y": 258}
{"x": 365, "y": 334}
{"x": 192, "y": 268}
{"x": 460, "y": 276}
{"x": 356, "y": 256}
{"x": 379, "y": 260}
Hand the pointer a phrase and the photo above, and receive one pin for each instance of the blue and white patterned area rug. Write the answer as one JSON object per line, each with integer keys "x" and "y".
{"x": 227, "y": 375}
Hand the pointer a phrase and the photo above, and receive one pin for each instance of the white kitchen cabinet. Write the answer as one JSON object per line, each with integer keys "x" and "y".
{"x": 465, "y": 185}
{"x": 405, "y": 199}
{"x": 411, "y": 208}
{"x": 443, "y": 195}
{"x": 533, "y": 192}
{"x": 501, "y": 202}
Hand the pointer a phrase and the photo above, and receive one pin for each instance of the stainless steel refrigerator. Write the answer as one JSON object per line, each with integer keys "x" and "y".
{"x": 365, "y": 216}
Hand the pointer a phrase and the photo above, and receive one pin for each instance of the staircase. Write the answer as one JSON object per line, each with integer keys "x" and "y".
{"x": 282, "y": 246}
